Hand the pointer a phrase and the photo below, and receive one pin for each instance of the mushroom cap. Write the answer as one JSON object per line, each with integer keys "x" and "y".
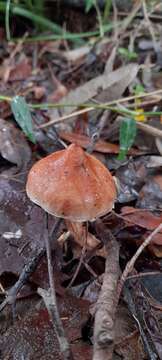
{"x": 72, "y": 184}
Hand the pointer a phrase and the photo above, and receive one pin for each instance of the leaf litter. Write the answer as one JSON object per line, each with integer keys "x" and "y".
{"x": 93, "y": 74}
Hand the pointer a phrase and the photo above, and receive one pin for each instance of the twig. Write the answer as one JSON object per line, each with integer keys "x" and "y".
{"x": 138, "y": 313}
{"x": 149, "y": 129}
{"x": 27, "y": 270}
{"x": 115, "y": 19}
{"x": 105, "y": 308}
{"x": 130, "y": 265}
{"x": 149, "y": 25}
{"x": 91, "y": 108}
{"x": 144, "y": 274}
{"x": 23, "y": 278}
{"x": 51, "y": 303}
{"x": 131, "y": 16}
{"x": 78, "y": 267}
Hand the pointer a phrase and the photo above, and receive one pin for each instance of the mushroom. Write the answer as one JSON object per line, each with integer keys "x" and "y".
{"x": 73, "y": 185}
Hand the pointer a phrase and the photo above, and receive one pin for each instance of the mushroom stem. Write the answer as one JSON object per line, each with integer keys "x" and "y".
{"x": 80, "y": 235}
{"x": 78, "y": 231}
{"x": 63, "y": 342}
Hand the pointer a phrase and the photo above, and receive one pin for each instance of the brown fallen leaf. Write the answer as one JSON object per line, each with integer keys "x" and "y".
{"x": 33, "y": 337}
{"x": 157, "y": 240}
{"x": 21, "y": 71}
{"x": 101, "y": 146}
{"x": 156, "y": 249}
{"x": 144, "y": 218}
{"x": 15, "y": 72}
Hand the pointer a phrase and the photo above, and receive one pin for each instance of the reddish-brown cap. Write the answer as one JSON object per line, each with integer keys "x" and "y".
{"x": 72, "y": 184}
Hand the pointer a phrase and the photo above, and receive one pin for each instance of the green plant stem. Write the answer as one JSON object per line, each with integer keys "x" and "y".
{"x": 106, "y": 10}
{"x": 99, "y": 19}
{"x": 46, "y": 106}
{"x": 5, "y": 98}
{"x": 40, "y": 20}
{"x": 29, "y": 4}
{"x": 49, "y": 25}
{"x": 7, "y": 20}
{"x": 69, "y": 36}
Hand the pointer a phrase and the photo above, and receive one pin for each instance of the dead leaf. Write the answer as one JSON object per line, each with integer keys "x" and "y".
{"x": 101, "y": 145}
{"x": 156, "y": 250}
{"x": 127, "y": 339}
{"x": 143, "y": 218}
{"x": 21, "y": 226}
{"x": 16, "y": 72}
{"x": 21, "y": 71}
{"x": 111, "y": 86}
{"x": 13, "y": 145}
{"x": 150, "y": 196}
{"x": 132, "y": 175}
{"x": 33, "y": 337}
{"x": 76, "y": 54}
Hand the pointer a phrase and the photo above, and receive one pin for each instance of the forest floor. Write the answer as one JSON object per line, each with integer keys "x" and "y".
{"x": 102, "y": 90}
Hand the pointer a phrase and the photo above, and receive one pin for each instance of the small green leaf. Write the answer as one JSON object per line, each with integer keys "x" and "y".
{"x": 129, "y": 55}
{"x": 23, "y": 117}
{"x": 89, "y": 5}
{"x": 128, "y": 129}
{"x": 139, "y": 89}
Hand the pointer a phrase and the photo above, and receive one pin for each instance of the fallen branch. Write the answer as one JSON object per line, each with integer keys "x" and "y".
{"x": 105, "y": 308}
{"x": 109, "y": 298}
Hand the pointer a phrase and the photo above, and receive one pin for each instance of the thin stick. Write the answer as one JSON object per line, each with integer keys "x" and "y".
{"x": 101, "y": 106}
{"x": 130, "y": 265}
{"x": 150, "y": 129}
{"x": 144, "y": 274}
{"x": 27, "y": 270}
{"x": 54, "y": 313}
{"x": 149, "y": 25}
